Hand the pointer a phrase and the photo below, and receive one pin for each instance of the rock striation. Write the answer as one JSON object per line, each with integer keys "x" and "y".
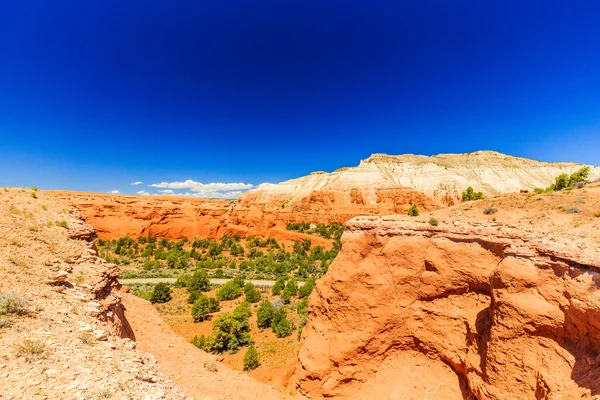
{"x": 442, "y": 178}
{"x": 458, "y": 311}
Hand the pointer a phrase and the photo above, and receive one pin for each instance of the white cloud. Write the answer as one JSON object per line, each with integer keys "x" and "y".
{"x": 143, "y": 193}
{"x": 114, "y": 192}
{"x": 136, "y": 183}
{"x": 213, "y": 190}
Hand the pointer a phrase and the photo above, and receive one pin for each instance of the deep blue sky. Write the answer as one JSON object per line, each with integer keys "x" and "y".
{"x": 95, "y": 95}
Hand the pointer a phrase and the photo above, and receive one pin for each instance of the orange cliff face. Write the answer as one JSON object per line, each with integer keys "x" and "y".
{"x": 461, "y": 310}
{"x": 115, "y": 216}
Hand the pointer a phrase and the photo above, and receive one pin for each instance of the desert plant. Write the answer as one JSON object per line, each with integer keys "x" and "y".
{"x": 490, "y": 210}
{"x": 264, "y": 315}
{"x": 252, "y": 294}
{"x": 199, "y": 342}
{"x": 305, "y": 290}
{"x": 433, "y": 221}
{"x": 32, "y": 349}
{"x": 199, "y": 282}
{"x": 211, "y": 366}
{"x": 251, "y": 359}
{"x": 413, "y": 211}
{"x": 229, "y": 291}
{"x": 280, "y": 324}
{"x": 161, "y": 293}
{"x": 11, "y": 303}
{"x": 278, "y": 286}
{"x": 62, "y": 224}
{"x": 87, "y": 338}
{"x": 470, "y": 195}
{"x": 203, "y": 306}
{"x": 573, "y": 210}
{"x": 597, "y": 214}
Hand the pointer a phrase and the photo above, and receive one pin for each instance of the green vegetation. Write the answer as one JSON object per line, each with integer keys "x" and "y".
{"x": 11, "y": 303}
{"x": 230, "y": 332}
{"x": 413, "y": 211}
{"x": 264, "y": 315}
{"x": 203, "y": 306}
{"x": 470, "y": 195}
{"x": 252, "y": 294}
{"x": 161, "y": 293}
{"x": 251, "y": 359}
{"x": 280, "y": 324}
{"x": 564, "y": 181}
{"x": 597, "y": 214}
{"x": 306, "y": 290}
{"x": 278, "y": 286}
{"x": 433, "y": 221}
{"x": 253, "y": 257}
{"x": 229, "y": 291}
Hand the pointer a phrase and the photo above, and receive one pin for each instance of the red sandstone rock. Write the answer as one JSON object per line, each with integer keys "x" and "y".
{"x": 408, "y": 310}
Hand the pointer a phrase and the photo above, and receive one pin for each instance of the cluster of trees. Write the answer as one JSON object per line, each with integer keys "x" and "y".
{"x": 262, "y": 257}
{"x": 230, "y": 332}
{"x": 470, "y": 194}
{"x": 328, "y": 231}
{"x": 566, "y": 181}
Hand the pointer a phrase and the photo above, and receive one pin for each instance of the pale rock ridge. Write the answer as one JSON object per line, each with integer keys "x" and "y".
{"x": 442, "y": 177}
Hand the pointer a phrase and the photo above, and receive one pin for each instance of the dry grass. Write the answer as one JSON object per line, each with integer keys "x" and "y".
{"x": 11, "y": 303}
{"x": 33, "y": 349}
{"x": 211, "y": 366}
{"x": 87, "y": 338}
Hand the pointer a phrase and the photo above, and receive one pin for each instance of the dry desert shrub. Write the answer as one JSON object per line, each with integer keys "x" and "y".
{"x": 211, "y": 366}
{"x": 11, "y": 303}
{"x": 33, "y": 349}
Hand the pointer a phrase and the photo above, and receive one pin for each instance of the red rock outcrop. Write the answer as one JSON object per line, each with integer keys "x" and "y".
{"x": 476, "y": 311}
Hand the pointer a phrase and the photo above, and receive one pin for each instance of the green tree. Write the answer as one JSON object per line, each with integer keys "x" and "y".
{"x": 413, "y": 211}
{"x": 470, "y": 194}
{"x": 198, "y": 283}
{"x": 203, "y": 306}
{"x": 229, "y": 291}
{"x": 251, "y": 359}
{"x": 280, "y": 324}
{"x": 228, "y": 333}
{"x": 252, "y": 294}
{"x": 161, "y": 293}
{"x": 306, "y": 290}
{"x": 264, "y": 315}
{"x": 278, "y": 286}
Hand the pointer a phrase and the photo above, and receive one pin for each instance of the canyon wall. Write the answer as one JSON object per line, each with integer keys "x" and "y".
{"x": 460, "y": 311}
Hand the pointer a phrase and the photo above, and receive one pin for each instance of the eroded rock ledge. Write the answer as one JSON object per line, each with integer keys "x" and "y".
{"x": 466, "y": 311}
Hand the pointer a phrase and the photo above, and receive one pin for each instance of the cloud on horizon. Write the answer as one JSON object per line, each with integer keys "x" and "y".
{"x": 212, "y": 190}
{"x": 142, "y": 193}
{"x": 114, "y": 192}
{"x": 136, "y": 183}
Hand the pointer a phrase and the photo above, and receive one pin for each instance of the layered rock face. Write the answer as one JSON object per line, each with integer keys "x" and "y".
{"x": 474, "y": 311}
{"x": 442, "y": 178}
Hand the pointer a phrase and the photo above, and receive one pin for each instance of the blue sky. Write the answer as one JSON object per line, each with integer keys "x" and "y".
{"x": 98, "y": 95}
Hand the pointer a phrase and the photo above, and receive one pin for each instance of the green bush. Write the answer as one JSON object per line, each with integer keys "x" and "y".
{"x": 539, "y": 190}
{"x": 306, "y": 290}
{"x": 413, "y": 211}
{"x": 197, "y": 283}
{"x": 278, "y": 286}
{"x": 280, "y": 324}
{"x": 199, "y": 342}
{"x": 302, "y": 307}
{"x": 471, "y": 194}
{"x": 228, "y": 333}
{"x": 161, "y": 293}
{"x": 264, "y": 315}
{"x": 229, "y": 291}
{"x": 182, "y": 281}
{"x": 251, "y": 359}
{"x": 252, "y": 294}
{"x": 242, "y": 312}
{"x": 433, "y": 221}
{"x": 203, "y": 306}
